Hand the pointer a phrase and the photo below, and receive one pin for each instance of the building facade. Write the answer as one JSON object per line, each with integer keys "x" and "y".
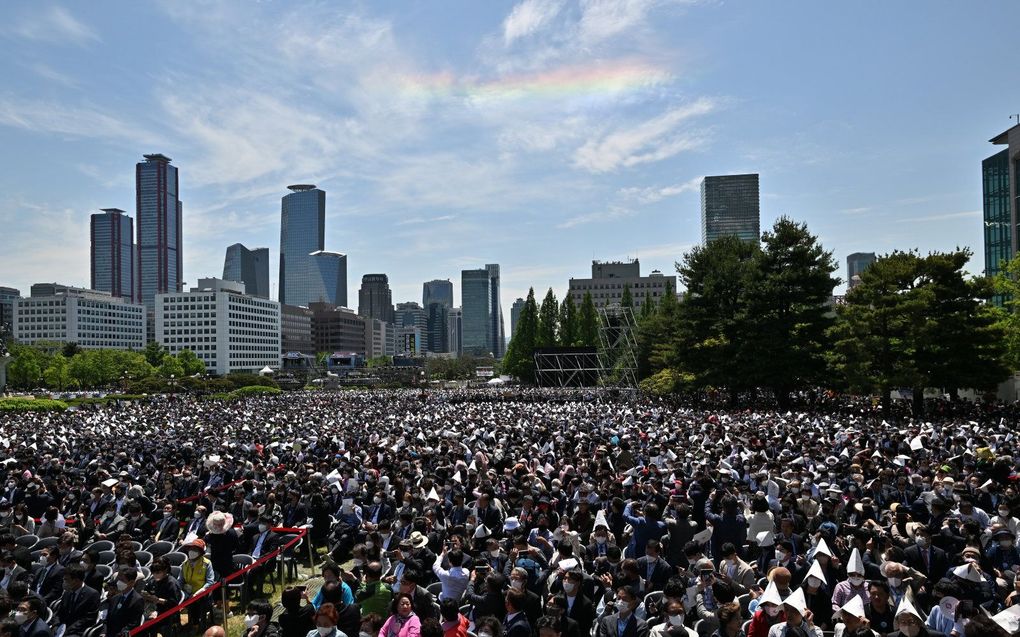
{"x": 112, "y": 253}
{"x": 7, "y": 297}
{"x": 375, "y": 299}
{"x": 515, "y": 315}
{"x": 296, "y": 330}
{"x": 999, "y": 184}
{"x": 855, "y": 264}
{"x": 437, "y": 335}
{"x": 89, "y": 318}
{"x": 730, "y": 206}
{"x": 454, "y": 330}
{"x": 229, "y": 330}
{"x": 327, "y": 277}
{"x": 476, "y": 299}
{"x": 498, "y": 332}
{"x": 337, "y": 329}
{"x": 380, "y": 338}
{"x": 610, "y": 278}
{"x": 437, "y": 291}
{"x": 411, "y": 314}
{"x": 250, "y": 267}
{"x": 158, "y": 228}
{"x": 302, "y": 232}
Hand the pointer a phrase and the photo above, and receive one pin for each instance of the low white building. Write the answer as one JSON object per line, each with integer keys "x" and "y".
{"x": 92, "y": 319}
{"x": 229, "y": 330}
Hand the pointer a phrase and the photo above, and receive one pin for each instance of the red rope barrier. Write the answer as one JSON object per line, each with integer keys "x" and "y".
{"x": 301, "y": 534}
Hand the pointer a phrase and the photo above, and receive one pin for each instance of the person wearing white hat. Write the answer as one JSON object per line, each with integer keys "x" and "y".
{"x": 818, "y": 596}
{"x": 853, "y": 620}
{"x": 854, "y": 585}
{"x": 767, "y": 611}
{"x": 909, "y": 622}
{"x": 799, "y": 619}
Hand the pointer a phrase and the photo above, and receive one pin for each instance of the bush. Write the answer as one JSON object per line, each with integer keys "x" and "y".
{"x": 253, "y": 390}
{"x": 665, "y": 382}
{"x": 22, "y": 405}
{"x": 238, "y": 381}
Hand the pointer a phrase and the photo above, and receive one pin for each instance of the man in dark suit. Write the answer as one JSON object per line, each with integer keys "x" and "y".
{"x": 556, "y": 611}
{"x": 923, "y": 557}
{"x": 79, "y": 605}
{"x": 168, "y": 528}
{"x": 48, "y": 582}
{"x": 579, "y": 608}
{"x": 377, "y": 512}
{"x": 655, "y": 570}
{"x": 264, "y": 542}
{"x": 197, "y": 524}
{"x": 489, "y": 515}
{"x": 126, "y": 608}
{"x": 295, "y": 514}
{"x": 486, "y": 596}
{"x": 623, "y": 623}
{"x": 424, "y": 602}
{"x": 68, "y": 554}
{"x": 33, "y": 610}
{"x": 138, "y": 525}
{"x": 516, "y": 622}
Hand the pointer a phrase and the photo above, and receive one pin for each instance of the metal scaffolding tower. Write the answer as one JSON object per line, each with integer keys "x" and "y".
{"x": 617, "y": 346}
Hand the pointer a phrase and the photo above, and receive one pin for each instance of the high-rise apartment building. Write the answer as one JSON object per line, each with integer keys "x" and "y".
{"x": 302, "y": 232}
{"x": 375, "y": 299}
{"x": 229, "y": 330}
{"x": 855, "y": 264}
{"x": 730, "y": 206}
{"x": 498, "y": 333}
{"x": 1000, "y": 175}
{"x": 515, "y": 315}
{"x": 112, "y": 253}
{"x": 7, "y": 296}
{"x": 437, "y": 291}
{"x": 91, "y": 319}
{"x": 250, "y": 267}
{"x": 158, "y": 229}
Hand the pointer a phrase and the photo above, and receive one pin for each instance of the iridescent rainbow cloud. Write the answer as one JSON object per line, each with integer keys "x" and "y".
{"x": 574, "y": 81}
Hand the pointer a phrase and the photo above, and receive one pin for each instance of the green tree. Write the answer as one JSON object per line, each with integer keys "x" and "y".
{"x": 58, "y": 374}
{"x": 627, "y": 300}
{"x": 568, "y": 322}
{"x": 788, "y": 313}
{"x": 69, "y": 350}
{"x": 1007, "y": 287}
{"x": 548, "y": 316}
{"x": 171, "y": 367}
{"x": 190, "y": 362}
{"x": 154, "y": 353}
{"x": 519, "y": 360}
{"x": 648, "y": 307}
{"x": 588, "y": 323}
{"x": 26, "y": 369}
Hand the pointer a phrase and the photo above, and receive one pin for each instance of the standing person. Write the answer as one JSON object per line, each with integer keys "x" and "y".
{"x": 403, "y": 622}
{"x": 516, "y": 622}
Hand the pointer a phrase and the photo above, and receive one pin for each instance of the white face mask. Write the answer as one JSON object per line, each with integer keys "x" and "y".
{"x": 194, "y": 554}
{"x": 517, "y": 584}
{"x": 895, "y": 582}
{"x": 921, "y": 541}
{"x": 325, "y": 630}
{"x": 855, "y": 580}
{"x": 122, "y": 585}
{"x": 263, "y": 528}
{"x": 814, "y": 582}
{"x": 358, "y": 562}
{"x": 568, "y": 587}
{"x": 771, "y": 610}
{"x": 250, "y": 620}
{"x": 377, "y": 500}
{"x": 910, "y": 631}
{"x": 20, "y": 618}
{"x": 1003, "y": 513}
{"x": 369, "y": 544}
{"x": 676, "y": 620}
{"x": 494, "y": 553}
{"x": 600, "y": 539}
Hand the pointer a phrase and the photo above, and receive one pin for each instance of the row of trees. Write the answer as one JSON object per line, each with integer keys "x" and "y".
{"x": 552, "y": 324}
{"x": 762, "y": 317}
{"x": 63, "y": 367}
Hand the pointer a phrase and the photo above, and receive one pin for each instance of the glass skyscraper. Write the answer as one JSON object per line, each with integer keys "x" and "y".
{"x": 158, "y": 226}
{"x": 250, "y": 267}
{"x": 855, "y": 264}
{"x": 302, "y": 232}
{"x": 112, "y": 254}
{"x": 498, "y": 334}
{"x": 998, "y": 215}
{"x": 476, "y": 312}
{"x": 375, "y": 299}
{"x": 730, "y": 206}
{"x": 437, "y": 291}
{"x": 515, "y": 315}
{"x": 327, "y": 278}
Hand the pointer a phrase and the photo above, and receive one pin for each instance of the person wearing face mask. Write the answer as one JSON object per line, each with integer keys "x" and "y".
{"x": 854, "y": 585}
{"x": 79, "y": 604}
{"x": 197, "y": 574}
{"x": 578, "y": 606}
{"x": 29, "y": 618}
{"x": 653, "y": 569}
{"x": 48, "y": 582}
{"x": 1003, "y": 556}
{"x": 799, "y": 619}
{"x": 257, "y": 619}
{"x": 556, "y": 614}
{"x": 138, "y": 526}
{"x": 125, "y": 608}
{"x": 196, "y": 527}
{"x": 623, "y": 623}
{"x": 402, "y": 622}
{"x": 161, "y": 593}
{"x": 767, "y": 611}
{"x": 111, "y": 524}
{"x": 929, "y": 560}
{"x": 910, "y": 624}
{"x": 263, "y": 542}
{"x": 1004, "y": 517}
{"x": 168, "y": 529}
{"x": 673, "y": 626}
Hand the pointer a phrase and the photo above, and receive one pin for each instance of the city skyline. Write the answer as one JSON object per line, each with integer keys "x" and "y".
{"x": 541, "y": 134}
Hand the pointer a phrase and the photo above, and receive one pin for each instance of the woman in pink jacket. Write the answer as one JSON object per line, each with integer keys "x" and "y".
{"x": 403, "y": 622}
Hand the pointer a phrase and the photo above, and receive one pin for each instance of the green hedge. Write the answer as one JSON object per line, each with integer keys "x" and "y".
{"x": 16, "y": 405}
{"x": 254, "y": 390}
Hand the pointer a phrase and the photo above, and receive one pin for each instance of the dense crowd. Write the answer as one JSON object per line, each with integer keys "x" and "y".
{"x": 511, "y": 514}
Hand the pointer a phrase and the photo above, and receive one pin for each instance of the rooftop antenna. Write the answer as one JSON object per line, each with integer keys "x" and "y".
{"x": 1017, "y": 116}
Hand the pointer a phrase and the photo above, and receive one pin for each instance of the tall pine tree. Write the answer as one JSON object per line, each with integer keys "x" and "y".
{"x": 519, "y": 360}
{"x": 588, "y": 323}
{"x": 627, "y": 300}
{"x": 568, "y": 322}
{"x": 548, "y": 317}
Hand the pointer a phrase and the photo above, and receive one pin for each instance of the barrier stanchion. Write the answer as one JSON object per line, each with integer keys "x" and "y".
{"x": 311, "y": 551}
{"x": 222, "y": 584}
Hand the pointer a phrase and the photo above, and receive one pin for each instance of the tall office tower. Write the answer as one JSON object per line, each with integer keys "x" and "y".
{"x": 375, "y": 300}
{"x": 855, "y": 264}
{"x": 498, "y": 333}
{"x": 454, "y": 330}
{"x": 7, "y": 298}
{"x": 112, "y": 255}
{"x": 327, "y": 276}
{"x": 410, "y": 314}
{"x": 730, "y": 206}
{"x": 515, "y": 315}
{"x": 250, "y": 267}
{"x": 476, "y": 304}
{"x": 302, "y": 232}
{"x": 158, "y": 229}
{"x": 437, "y": 290}
{"x": 437, "y": 335}
{"x": 999, "y": 179}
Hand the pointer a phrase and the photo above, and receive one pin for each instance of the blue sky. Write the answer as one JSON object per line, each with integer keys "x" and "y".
{"x": 537, "y": 134}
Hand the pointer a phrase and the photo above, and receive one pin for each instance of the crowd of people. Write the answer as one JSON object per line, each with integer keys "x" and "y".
{"x": 520, "y": 513}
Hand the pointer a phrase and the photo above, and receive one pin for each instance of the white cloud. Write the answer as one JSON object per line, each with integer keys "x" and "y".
{"x": 658, "y": 193}
{"x": 942, "y": 217}
{"x": 603, "y": 19}
{"x": 75, "y": 121}
{"x": 610, "y": 214}
{"x": 652, "y": 140}
{"x": 528, "y": 17}
{"x": 56, "y": 25}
